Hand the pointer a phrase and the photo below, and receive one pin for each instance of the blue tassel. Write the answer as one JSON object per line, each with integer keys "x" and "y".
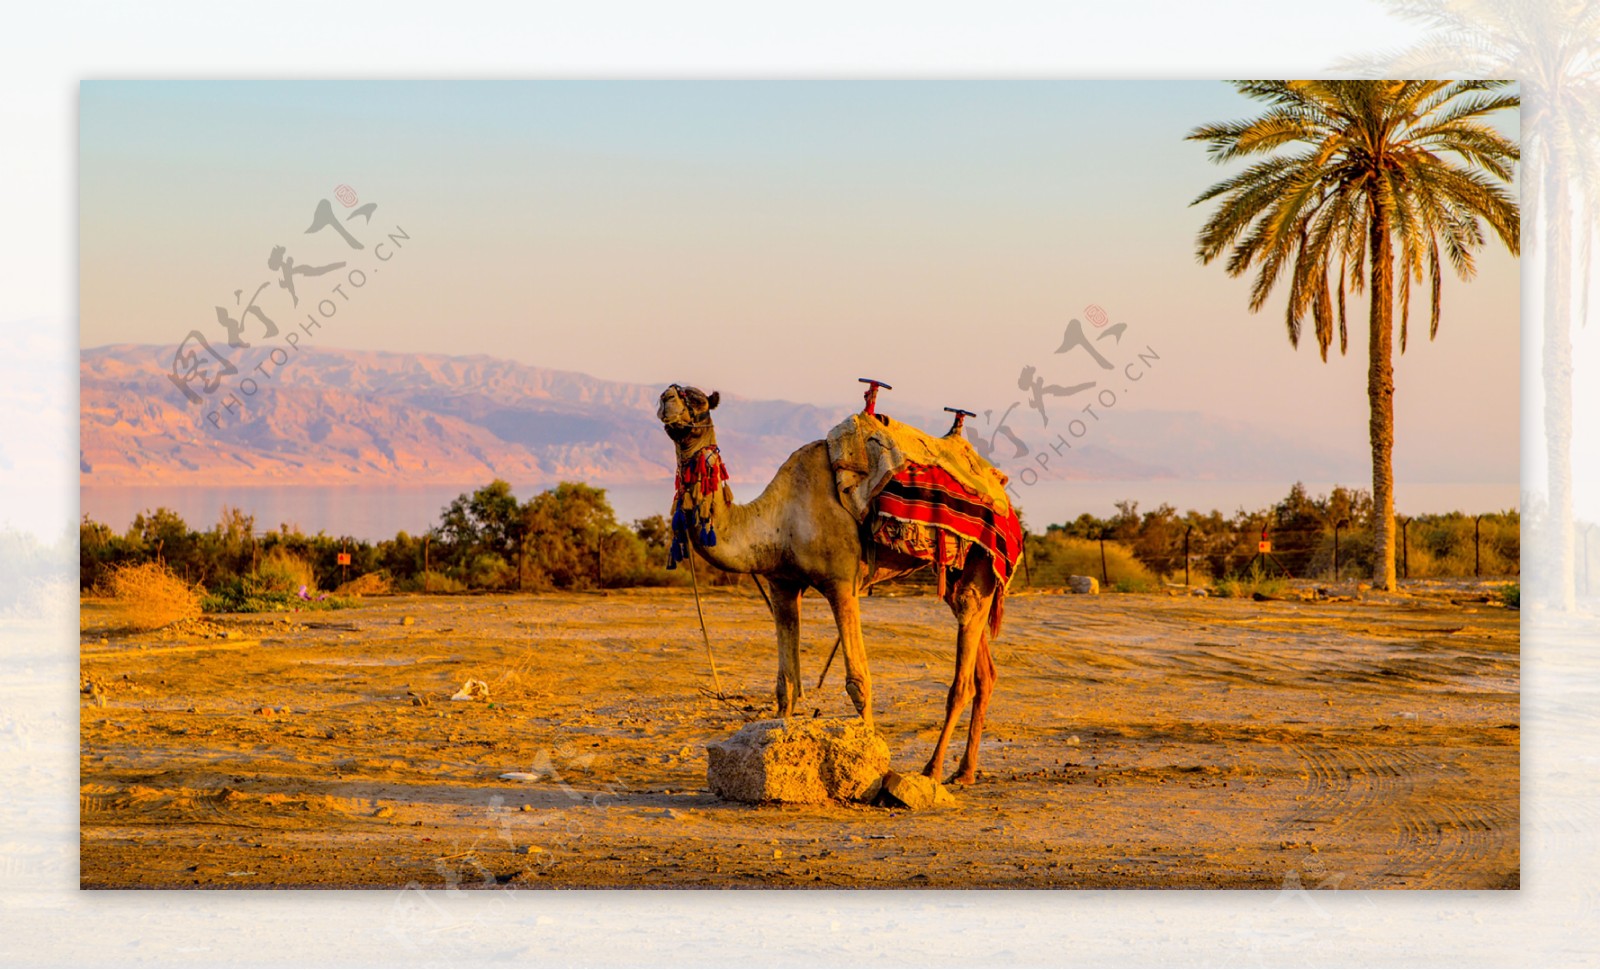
{"x": 678, "y": 521}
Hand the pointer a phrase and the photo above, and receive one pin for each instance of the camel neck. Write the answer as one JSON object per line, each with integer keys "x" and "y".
{"x": 705, "y": 516}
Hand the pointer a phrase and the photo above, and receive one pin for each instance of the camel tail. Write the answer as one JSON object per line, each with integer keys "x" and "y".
{"x": 997, "y": 613}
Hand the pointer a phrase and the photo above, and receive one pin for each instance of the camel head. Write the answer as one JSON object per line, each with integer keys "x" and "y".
{"x": 685, "y": 413}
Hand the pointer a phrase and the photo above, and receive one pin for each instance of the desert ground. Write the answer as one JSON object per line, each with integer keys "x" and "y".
{"x": 1350, "y": 741}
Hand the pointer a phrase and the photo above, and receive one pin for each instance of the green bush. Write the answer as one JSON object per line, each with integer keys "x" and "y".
{"x": 1054, "y": 556}
{"x": 432, "y": 582}
{"x": 282, "y": 581}
{"x": 256, "y": 593}
{"x": 1511, "y": 595}
{"x": 489, "y": 571}
{"x": 282, "y": 570}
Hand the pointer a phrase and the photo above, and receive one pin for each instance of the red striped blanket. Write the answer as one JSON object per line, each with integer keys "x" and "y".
{"x": 931, "y": 498}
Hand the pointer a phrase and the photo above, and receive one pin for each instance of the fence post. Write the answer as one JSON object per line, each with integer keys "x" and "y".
{"x": 1336, "y": 549}
{"x": 1405, "y": 548}
{"x": 1190, "y": 529}
{"x": 426, "y": 583}
{"x": 1586, "y": 559}
{"x": 1105, "y": 578}
{"x": 1027, "y": 573}
{"x": 1477, "y": 552}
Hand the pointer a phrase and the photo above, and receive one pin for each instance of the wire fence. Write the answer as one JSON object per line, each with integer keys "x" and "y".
{"x": 1438, "y": 547}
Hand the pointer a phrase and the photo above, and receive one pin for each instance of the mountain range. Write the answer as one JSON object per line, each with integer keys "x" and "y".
{"x": 343, "y": 417}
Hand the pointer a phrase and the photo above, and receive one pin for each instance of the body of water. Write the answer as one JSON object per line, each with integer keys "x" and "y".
{"x": 378, "y": 512}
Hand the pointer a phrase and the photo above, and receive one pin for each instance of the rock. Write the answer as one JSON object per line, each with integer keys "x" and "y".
{"x": 407, "y": 620}
{"x": 1083, "y": 584}
{"x": 807, "y": 762}
{"x": 472, "y": 690}
{"x": 916, "y": 792}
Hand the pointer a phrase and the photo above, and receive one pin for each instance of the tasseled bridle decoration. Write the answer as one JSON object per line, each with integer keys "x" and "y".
{"x": 700, "y": 477}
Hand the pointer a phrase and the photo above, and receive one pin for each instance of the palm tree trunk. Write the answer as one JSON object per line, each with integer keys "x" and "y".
{"x": 1558, "y": 256}
{"x": 1380, "y": 396}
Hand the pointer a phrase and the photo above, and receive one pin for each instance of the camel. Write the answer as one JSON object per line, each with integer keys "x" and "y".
{"x": 798, "y": 534}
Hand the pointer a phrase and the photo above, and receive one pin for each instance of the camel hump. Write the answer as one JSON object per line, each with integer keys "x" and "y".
{"x": 865, "y": 454}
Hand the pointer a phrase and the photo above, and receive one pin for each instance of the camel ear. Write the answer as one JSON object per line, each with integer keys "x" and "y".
{"x": 711, "y": 402}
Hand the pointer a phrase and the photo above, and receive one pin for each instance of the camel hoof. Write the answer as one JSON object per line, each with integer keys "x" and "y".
{"x": 963, "y": 778}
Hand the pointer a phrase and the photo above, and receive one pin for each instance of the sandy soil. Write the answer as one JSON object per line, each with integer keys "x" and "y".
{"x": 1134, "y": 741}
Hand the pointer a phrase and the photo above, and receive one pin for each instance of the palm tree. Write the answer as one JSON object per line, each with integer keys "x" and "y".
{"x": 1553, "y": 48}
{"x": 1376, "y": 176}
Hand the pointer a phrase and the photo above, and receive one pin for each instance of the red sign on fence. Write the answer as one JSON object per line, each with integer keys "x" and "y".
{"x": 344, "y": 559}
{"x": 1264, "y": 546}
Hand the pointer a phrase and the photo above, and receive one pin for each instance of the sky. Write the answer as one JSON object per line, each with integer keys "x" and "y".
{"x": 768, "y": 239}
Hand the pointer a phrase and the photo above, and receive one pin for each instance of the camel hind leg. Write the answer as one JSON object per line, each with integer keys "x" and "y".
{"x": 974, "y": 674}
{"x": 984, "y": 676}
{"x": 961, "y": 691}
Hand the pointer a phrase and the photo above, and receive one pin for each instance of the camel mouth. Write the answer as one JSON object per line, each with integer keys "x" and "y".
{"x": 678, "y": 432}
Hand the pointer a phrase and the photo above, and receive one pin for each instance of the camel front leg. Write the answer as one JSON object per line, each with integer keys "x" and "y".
{"x": 857, "y": 678}
{"x": 786, "y": 617}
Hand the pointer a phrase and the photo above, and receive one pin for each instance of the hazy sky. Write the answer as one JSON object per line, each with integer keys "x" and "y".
{"x": 773, "y": 239}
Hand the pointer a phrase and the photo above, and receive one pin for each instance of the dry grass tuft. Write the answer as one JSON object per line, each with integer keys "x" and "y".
{"x": 149, "y": 597}
{"x": 368, "y": 584}
{"x": 522, "y": 680}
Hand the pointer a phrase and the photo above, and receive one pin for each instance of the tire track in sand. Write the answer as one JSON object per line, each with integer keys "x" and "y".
{"x": 1354, "y": 793}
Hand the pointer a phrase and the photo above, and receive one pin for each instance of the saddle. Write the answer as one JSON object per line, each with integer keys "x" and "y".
{"x": 927, "y": 497}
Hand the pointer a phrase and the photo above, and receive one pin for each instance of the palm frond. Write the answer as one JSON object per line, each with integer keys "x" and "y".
{"x": 1328, "y": 157}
